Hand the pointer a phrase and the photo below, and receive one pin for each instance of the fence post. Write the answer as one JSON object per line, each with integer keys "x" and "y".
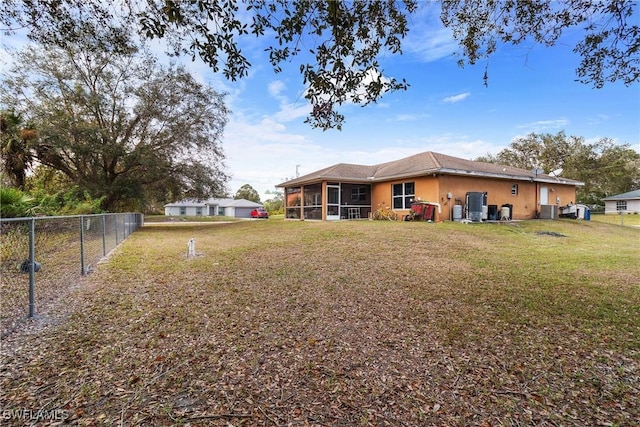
{"x": 32, "y": 267}
{"x": 115, "y": 221}
{"x": 104, "y": 235}
{"x": 82, "y": 245}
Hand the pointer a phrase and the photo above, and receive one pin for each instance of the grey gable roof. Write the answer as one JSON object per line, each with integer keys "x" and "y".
{"x": 631, "y": 195}
{"x": 422, "y": 164}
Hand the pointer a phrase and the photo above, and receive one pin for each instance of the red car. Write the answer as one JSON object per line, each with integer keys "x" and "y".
{"x": 259, "y": 213}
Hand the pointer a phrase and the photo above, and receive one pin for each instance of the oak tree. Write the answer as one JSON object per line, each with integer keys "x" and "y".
{"x": 247, "y": 192}
{"x": 118, "y": 125}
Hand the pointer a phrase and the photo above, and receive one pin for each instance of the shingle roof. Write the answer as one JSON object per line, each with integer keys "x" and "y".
{"x": 421, "y": 164}
{"x": 631, "y": 195}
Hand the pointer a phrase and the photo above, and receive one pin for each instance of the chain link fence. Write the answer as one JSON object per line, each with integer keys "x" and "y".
{"x": 41, "y": 257}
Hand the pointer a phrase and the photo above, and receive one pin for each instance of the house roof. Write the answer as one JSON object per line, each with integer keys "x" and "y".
{"x": 223, "y": 203}
{"x": 631, "y": 195}
{"x": 423, "y": 164}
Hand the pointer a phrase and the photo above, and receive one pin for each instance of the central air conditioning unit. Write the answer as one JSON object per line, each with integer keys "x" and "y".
{"x": 548, "y": 211}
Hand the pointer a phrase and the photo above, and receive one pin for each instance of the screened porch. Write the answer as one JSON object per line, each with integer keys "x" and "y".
{"x": 328, "y": 201}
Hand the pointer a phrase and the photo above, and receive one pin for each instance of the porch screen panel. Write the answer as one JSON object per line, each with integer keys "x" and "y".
{"x": 313, "y": 195}
{"x": 333, "y": 196}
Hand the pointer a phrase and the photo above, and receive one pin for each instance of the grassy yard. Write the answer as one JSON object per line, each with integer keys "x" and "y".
{"x": 278, "y": 323}
{"x": 625, "y": 220}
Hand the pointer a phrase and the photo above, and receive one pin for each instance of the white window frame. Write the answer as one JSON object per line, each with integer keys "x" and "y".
{"x": 405, "y": 198}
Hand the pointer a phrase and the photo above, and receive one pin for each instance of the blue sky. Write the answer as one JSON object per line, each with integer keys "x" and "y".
{"x": 447, "y": 109}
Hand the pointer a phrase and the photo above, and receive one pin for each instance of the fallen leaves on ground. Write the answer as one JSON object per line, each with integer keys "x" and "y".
{"x": 353, "y": 323}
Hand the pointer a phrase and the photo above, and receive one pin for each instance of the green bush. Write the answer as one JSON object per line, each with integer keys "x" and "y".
{"x": 15, "y": 203}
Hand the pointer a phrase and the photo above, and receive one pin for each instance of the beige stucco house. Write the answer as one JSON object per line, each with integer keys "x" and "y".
{"x": 349, "y": 191}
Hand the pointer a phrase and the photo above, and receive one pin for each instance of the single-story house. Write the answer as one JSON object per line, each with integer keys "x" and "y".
{"x": 237, "y": 208}
{"x": 623, "y": 203}
{"x": 349, "y": 191}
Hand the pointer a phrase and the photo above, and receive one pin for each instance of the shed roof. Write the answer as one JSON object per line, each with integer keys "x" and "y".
{"x": 423, "y": 164}
{"x": 631, "y": 195}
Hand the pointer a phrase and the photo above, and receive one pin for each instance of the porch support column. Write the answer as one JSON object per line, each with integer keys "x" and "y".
{"x": 323, "y": 196}
{"x": 302, "y": 202}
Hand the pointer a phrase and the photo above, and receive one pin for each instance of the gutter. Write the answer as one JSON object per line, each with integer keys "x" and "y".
{"x": 373, "y": 179}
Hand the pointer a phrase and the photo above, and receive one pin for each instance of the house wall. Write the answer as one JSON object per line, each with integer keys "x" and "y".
{"x": 175, "y": 211}
{"x": 171, "y": 210}
{"x": 610, "y": 207}
{"x": 436, "y": 189}
{"x": 426, "y": 188}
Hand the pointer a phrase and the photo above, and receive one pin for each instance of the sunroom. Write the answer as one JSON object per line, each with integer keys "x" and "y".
{"x": 328, "y": 201}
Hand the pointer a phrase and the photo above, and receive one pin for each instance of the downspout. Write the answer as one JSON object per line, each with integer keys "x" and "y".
{"x": 537, "y": 212}
{"x": 323, "y": 196}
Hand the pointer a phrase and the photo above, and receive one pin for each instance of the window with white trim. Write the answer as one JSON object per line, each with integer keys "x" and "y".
{"x": 403, "y": 195}
{"x": 514, "y": 190}
{"x": 183, "y": 210}
{"x": 621, "y": 205}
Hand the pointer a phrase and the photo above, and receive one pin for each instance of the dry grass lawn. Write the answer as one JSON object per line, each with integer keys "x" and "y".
{"x": 280, "y": 323}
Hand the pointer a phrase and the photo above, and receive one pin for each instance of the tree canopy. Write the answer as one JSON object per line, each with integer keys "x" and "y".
{"x": 118, "y": 125}
{"x": 247, "y": 192}
{"x": 605, "y": 167}
{"x": 343, "y": 41}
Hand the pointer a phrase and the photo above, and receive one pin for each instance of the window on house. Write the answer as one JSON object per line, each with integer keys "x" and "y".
{"x": 199, "y": 211}
{"x": 403, "y": 195}
{"x": 514, "y": 190}
{"x": 358, "y": 194}
{"x": 183, "y": 210}
{"x": 621, "y": 205}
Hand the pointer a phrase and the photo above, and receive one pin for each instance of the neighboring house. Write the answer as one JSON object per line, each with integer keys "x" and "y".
{"x": 623, "y": 203}
{"x": 236, "y": 208}
{"x": 345, "y": 191}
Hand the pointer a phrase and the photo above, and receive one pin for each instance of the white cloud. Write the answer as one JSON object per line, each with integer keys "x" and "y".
{"x": 456, "y": 98}
{"x": 276, "y": 87}
{"x": 542, "y": 125}
{"x": 291, "y": 112}
{"x": 598, "y": 119}
{"x": 405, "y": 117}
{"x": 428, "y": 39}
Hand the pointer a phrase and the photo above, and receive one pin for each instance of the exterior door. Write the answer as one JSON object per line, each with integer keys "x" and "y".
{"x": 544, "y": 195}
{"x": 333, "y": 202}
